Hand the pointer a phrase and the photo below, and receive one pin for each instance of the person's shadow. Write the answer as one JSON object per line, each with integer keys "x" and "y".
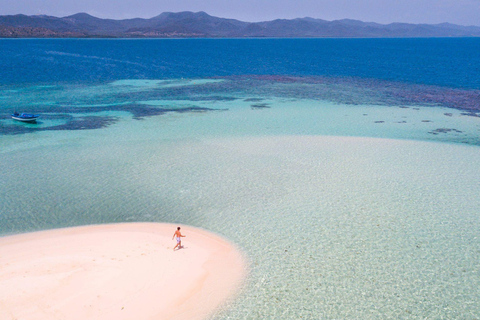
{"x": 181, "y": 247}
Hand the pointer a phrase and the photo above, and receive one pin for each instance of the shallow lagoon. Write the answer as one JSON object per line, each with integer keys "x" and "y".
{"x": 344, "y": 210}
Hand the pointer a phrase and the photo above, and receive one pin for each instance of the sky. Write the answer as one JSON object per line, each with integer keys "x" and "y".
{"x": 462, "y": 12}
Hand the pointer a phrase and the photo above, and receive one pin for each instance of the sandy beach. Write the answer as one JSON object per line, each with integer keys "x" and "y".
{"x": 116, "y": 271}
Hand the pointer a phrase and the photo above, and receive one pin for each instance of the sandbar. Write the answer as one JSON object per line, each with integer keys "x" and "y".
{"x": 117, "y": 271}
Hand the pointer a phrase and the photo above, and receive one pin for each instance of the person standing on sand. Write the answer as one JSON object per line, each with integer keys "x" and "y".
{"x": 179, "y": 236}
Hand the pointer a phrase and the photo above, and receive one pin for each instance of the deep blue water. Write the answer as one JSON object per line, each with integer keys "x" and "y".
{"x": 449, "y": 62}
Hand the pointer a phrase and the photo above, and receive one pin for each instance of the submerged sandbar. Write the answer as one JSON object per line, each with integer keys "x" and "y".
{"x": 116, "y": 271}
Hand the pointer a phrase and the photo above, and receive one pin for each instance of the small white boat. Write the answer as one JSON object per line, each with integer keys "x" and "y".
{"x": 25, "y": 117}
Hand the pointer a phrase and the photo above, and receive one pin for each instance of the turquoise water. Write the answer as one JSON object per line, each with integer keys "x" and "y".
{"x": 352, "y": 197}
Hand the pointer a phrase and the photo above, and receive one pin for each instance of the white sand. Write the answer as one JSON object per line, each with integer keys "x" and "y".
{"x": 118, "y": 271}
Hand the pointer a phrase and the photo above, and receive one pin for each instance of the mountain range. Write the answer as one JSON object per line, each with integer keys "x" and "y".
{"x": 201, "y": 25}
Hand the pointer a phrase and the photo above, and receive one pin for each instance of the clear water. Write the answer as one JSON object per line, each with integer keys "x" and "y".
{"x": 258, "y": 141}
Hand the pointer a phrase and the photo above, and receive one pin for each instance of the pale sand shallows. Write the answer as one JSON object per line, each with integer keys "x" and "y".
{"x": 116, "y": 271}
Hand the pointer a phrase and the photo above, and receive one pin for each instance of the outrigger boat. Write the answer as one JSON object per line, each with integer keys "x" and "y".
{"x": 24, "y": 117}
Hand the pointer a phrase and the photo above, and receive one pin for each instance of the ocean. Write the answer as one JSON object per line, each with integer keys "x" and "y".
{"x": 448, "y": 62}
{"x": 346, "y": 170}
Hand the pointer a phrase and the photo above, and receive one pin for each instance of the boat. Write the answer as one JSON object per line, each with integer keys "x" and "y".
{"x": 24, "y": 117}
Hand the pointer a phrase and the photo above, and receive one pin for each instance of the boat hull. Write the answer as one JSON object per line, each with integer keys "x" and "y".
{"x": 25, "y": 117}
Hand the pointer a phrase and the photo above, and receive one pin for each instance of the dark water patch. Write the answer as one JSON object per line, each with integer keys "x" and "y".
{"x": 446, "y": 97}
{"x": 426, "y": 120}
{"x": 444, "y": 130}
{"x": 73, "y": 123}
{"x": 379, "y": 121}
{"x": 138, "y": 111}
{"x": 354, "y": 91}
{"x": 470, "y": 114}
{"x": 253, "y": 100}
{"x": 448, "y": 114}
{"x": 84, "y": 123}
{"x": 211, "y": 98}
{"x": 192, "y": 109}
{"x": 16, "y": 129}
{"x": 260, "y": 106}
{"x": 195, "y": 94}
{"x": 278, "y": 78}
{"x": 141, "y": 111}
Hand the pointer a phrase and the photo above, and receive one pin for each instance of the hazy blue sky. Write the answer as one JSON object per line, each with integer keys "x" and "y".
{"x": 464, "y": 12}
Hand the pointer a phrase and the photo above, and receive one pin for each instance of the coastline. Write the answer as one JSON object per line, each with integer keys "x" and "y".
{"x": 117, "y": 271}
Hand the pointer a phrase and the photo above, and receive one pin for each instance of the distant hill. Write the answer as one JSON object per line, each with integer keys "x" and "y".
{"x": 200, "y": 24}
